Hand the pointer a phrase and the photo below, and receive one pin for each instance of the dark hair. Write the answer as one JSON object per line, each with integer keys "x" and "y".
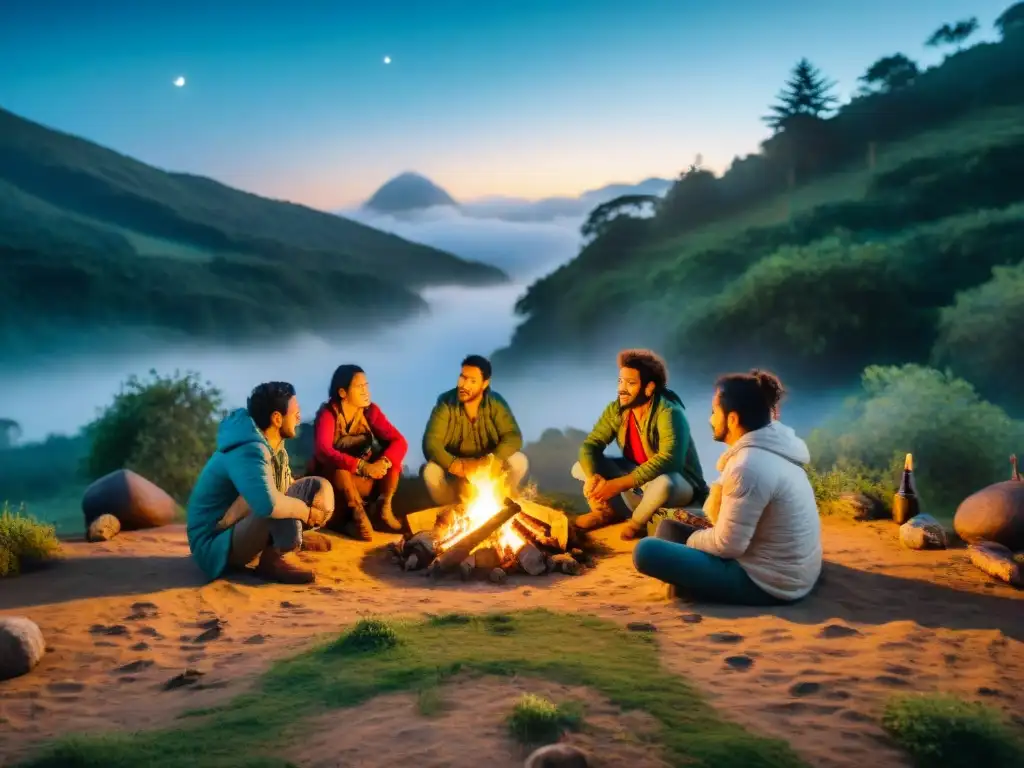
{"x": 267, "y": 399}
{"x": 754, "y": 397}
{"x": 481, "y": 362}
{"x": 342, "y": 379}
{"x": 649, "y": 365}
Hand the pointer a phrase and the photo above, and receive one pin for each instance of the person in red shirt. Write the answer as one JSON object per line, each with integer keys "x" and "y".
{"x": 359, "y": 451}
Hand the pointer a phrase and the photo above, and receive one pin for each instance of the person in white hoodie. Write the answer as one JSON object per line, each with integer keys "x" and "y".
{"x": 765, "y": 545}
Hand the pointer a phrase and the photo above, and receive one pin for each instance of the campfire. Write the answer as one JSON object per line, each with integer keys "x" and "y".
{"x": 488, "y": 535}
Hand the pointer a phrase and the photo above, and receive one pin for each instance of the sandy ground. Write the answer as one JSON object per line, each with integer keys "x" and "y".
{"x": 123, "y": 617}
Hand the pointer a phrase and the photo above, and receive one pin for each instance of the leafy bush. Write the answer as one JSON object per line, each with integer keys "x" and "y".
{"x": 980, "y": 336}
{"x": 959, "y": 441}
{"x": 164, "y": 428}
{"x": 833, "y": 487}
{"x": 24, "y": 541}
{"x": 946, "y": 732}
{"x": 536, "y": 720}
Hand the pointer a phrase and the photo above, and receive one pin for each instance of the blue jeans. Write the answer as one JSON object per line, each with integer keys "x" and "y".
{"x": 696, "y": 574}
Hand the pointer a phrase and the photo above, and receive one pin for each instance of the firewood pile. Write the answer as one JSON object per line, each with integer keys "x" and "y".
{"x": 522, "y": 536}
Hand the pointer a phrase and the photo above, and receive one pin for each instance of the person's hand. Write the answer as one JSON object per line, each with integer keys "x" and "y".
{"x": 609, "y": 489}
{"x": 457, "y": 468}
{"x": 376, "y": 470}
{"x": 593, "y": 482}
{"x": 317, "y": 517}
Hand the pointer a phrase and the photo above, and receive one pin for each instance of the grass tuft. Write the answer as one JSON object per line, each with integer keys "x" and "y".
{"x": 537, "y": 720}
{"x": 947, "y": 732}
{"x": 367, "y": 636}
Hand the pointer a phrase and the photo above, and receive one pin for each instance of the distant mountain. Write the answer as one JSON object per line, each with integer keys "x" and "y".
{"x": 548, "y": 208}
{"x": 408, "y": 192}
{"x": 92, "y": 240}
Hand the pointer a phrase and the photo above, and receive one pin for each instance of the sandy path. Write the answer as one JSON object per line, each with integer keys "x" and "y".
{"x": 122, "y": 618}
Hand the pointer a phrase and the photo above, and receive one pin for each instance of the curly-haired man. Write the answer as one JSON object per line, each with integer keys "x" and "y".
{"x": 659, "y": 465}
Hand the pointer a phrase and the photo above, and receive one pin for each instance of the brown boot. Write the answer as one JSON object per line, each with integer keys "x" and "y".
{"x": 600, "y": 515}
{"x": 631, "y": 531}
{"x": 359, "y": 526}
{"x": 315, "y": 542}
{"x": 387, "y": 515}
{"x": 387, "y": 492}
{"x": 275, "y": 566}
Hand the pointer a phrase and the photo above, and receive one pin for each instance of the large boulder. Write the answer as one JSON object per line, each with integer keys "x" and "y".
{"x": 995, "y": 513}
{"x": 21, "y": 647}
{"x": 133, "y": 500}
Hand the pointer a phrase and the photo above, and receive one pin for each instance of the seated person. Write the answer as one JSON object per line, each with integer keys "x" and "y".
{"x": 659, "y": 465}
{"x": 765, "y": 545}
{"x": 469, "y": 427}
{"x": 244, "y": 503}
{"x": 359, "y": 451}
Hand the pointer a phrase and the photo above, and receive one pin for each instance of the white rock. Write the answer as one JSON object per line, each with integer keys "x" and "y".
{"x": 21, "y": 646}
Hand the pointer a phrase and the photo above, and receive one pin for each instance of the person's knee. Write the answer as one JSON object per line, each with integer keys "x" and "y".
{"x": 645, "y": 554}
{"x": 578, "y": 473}
{"x": 518, "y": 466}
{"x": 433, "y": 475}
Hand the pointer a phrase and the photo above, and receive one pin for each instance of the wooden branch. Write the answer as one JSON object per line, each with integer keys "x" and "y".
{"x": 455, "y": 553}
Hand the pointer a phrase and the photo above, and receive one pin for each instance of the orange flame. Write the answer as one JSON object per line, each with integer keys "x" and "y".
{"x": 487, "y": 489}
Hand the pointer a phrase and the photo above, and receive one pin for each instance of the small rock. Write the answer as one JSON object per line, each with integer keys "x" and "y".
{"x": 728, "y": 638}
{"x": 641, "y": 626}
{"x": 558, "y": 756}
{"x": 923, "y": 532}
{"x": 997, "y": 561}
{"x": 103, "y": 528}
{"x": 102, "y": 629}
{"x": 692, "y": 618}
{"x": 498, "y": 575}
{"x": 186, "y": 678}
{"x": 21, "y": 647}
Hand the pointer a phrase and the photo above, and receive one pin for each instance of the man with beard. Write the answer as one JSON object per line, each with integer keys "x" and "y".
{"x": 765, "y": 545}
{"x": 470, "y": 427}
{"x": 659, "y": 465}
{"x": 244, "y": 504}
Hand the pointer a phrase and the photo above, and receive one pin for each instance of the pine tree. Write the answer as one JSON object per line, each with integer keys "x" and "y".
{"x": 807, "y": 93}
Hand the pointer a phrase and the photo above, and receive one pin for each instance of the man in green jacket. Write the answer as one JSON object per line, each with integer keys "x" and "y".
{"x": 469, "y": 427}
{"x": 245, "y": 505}
{"x": 659, "y": 465}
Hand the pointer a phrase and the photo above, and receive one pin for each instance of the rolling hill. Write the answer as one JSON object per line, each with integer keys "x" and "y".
{"x": 91, "y": 240}
{"x": 408, "y": 192}
{"x": 905, "y": 246}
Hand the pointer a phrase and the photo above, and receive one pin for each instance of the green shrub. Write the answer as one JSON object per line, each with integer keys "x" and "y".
{"x": 946, "y": 732}
{"x": 164, "y": 428}
{"x": 960, "y": 442}
{"x": 24, "y": 541}
{"x": 536, "y": 720}
{"x": 980, "y": 336}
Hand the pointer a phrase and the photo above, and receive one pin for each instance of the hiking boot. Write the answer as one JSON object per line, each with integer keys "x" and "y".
{"x": 387, "y": 515}
{"x": 600, "y": 515}
{"x": 360, "y": 527}
{"x": 315, "y": 542}
{"x": 633, "y": 530}
{"x": 275, "y": 566}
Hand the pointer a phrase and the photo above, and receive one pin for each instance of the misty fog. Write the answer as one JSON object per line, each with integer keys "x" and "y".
{"x": 408, "y": 364}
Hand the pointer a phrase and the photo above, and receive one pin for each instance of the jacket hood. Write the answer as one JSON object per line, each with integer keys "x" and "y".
{"x": 237, "y": 429}
{"x": 776, "y": 438}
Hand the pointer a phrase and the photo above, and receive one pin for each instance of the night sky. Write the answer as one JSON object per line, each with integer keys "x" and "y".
{"x": 293, "y": 100}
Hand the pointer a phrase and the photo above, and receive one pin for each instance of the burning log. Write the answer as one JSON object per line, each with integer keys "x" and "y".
{"x": 459, "y": 550}
{"x": 556, "y": 521}
{"x": 531, "y": 559}
{"x": 532, "y": 530}
{"x": 466, "y": 568}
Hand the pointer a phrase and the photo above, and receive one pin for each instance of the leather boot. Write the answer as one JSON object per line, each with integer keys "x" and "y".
{"x": 359, "y": 527}
{"x": 275, "y": 566}
{"x": 389, "y": 484}
{"x": 600, "y": 515}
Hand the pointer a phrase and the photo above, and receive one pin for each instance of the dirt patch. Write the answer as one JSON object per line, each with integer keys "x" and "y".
{"x": 466, "y": 728}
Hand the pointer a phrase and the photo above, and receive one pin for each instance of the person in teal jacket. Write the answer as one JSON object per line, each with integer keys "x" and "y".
{"x": 469, "y": 427}
{"x": 245, "y": 504}
{"x": 659, "y": 465}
